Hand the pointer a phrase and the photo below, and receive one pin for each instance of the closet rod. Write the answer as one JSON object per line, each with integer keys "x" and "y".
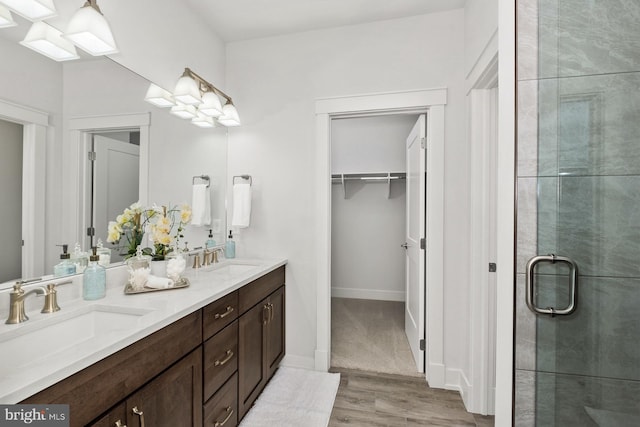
{"x": 382, "y": 177}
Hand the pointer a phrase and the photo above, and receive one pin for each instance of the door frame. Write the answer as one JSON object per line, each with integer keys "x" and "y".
{"x": 35, "y": 136}
{"x": 76, "y": 172}
{"x": 432, "y": 101}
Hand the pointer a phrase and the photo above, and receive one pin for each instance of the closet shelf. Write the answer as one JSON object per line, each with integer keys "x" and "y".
{"x": 384, "y": 177}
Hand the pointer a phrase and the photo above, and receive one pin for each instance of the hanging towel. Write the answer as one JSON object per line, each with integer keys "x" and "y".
{"x": 200, "y": 205}
{"x": 241, "y": 205}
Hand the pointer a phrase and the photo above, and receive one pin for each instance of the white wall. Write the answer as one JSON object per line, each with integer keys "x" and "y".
{"x": 368, "y": 228}
{"x": 276, "y": 81}
{"x": 480, "y": 33}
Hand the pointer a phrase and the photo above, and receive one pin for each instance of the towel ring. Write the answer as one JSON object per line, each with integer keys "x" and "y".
{"x": 245, "y": 177}
{"x": 202, "y": 177}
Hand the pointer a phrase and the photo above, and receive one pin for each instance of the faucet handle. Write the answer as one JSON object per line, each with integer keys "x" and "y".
{"x": 196, "y": 260}
{"x": 51, "y": 297}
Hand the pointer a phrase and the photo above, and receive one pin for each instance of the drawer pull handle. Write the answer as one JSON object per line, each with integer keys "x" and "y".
{"x": 140, "y": 414}
{"x": 223, "y": 422}
{"x": 229, "y": 354}
{"x": 119, "y": 424}
{"x": 271, "y": 312}
{"x": 225, "y": 314}
{"x": 265, "y": 314}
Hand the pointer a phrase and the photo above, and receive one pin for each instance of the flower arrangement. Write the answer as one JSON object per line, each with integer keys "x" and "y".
{"x": 159, "y": 221}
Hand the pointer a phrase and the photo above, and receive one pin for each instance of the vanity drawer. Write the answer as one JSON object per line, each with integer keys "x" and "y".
{"x": 222, "y": 408}
{"x": 220, "y": 358}
{"x": 260, "y": 288}
{"x": 219, "y": 314}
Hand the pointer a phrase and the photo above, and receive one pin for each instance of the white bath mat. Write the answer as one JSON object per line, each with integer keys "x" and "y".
{"x": 295, "y": 398}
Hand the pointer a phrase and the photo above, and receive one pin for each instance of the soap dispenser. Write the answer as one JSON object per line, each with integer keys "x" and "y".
{"x": 210, "y": 242}
{"x": 94, "y": 280}
{"x": 64, "y": 267}
{"x": 230, "y": 249}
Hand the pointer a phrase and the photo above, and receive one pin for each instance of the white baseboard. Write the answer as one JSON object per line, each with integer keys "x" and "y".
{"x": 322, "y": 361}
{"x": 436, "y": 375}
{"x": 293, "y": 361}
{"x": 373, "y": 294}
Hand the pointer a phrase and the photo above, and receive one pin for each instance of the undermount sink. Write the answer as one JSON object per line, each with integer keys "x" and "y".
{"x": 26, "y": 344}
{"x": 230, "y": 268}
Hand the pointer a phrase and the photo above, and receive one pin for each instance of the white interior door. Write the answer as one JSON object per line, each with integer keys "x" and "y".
{"x": 116, "y": 182}
{"x": 415, "y": 260}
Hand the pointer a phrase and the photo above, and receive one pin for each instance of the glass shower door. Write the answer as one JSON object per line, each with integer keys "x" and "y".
{"x": 578, "y": 181}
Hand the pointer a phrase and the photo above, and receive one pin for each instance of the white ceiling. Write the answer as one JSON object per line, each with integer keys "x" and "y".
{"x": 235, "y": 20}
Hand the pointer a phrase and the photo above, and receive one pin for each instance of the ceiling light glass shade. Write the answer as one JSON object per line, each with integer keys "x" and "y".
{"x": 187, "y": 91}
{"x": 211, "y": 105}
{"x": 229, "y": 115}
{"x": 203, "y": 121}
{"x": 184, "y": 111}
{"x": 90, "y": 31}
{"x": 48, "y": 41}
{"x": 159, "y": 97}
{"x": 33, "y": 10}
{"x": 6, "y": 20}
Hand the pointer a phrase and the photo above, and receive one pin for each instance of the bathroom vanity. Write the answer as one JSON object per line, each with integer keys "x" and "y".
{"x": 203, "y": 354}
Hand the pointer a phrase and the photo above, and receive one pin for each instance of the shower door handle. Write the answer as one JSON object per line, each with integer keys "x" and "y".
{"x": 531, "y": 285}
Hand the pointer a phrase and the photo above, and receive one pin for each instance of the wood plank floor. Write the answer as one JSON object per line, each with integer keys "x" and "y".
{"x": 367, "y": 399}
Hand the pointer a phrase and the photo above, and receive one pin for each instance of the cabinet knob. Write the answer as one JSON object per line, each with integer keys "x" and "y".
{"x": 223, "y": 422}
{"x": 140, "y": 414}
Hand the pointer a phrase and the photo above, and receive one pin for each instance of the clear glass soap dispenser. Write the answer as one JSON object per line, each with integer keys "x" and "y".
{"x": 94, "y": 280}
{"x": 230, "y": 247}
{"x": 64, "y": 267}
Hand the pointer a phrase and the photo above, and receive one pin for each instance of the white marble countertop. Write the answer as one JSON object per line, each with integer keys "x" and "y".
{"x": 59, "y": 353}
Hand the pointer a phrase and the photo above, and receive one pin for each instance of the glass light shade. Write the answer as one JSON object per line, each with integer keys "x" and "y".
{"x": 6, "y": 20}
{"x": 229, "y": 116}
{"x": 90, "y": 31}
{"x": 48, "y": 41}
{"x": 159, "y": 97}
{"x": 187, "y": 91}
{"x": 33, "y": 10}
{"x": 203, "y": 121}
{"x": 211, "y": 105}
{"x": 184, "y": 111}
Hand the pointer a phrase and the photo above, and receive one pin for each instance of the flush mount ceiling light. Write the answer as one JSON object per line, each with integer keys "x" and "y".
{"x": 159, "y": 97}
{"x": 6, "y": 20}
{"x": 90, "y": 31}
{"x": 48, "y": 41}
{"x": 33, "y": 10}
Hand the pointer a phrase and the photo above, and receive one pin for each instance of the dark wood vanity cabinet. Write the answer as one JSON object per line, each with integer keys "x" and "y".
{"x": 261, "y": 343}
{"x": 204, "y": 369}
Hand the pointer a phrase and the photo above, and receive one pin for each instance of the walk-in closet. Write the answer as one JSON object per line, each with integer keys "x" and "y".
{"x": 368, "y": 231}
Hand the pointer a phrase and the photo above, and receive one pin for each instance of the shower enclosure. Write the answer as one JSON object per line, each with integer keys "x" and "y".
{"x": 577, "y": 356}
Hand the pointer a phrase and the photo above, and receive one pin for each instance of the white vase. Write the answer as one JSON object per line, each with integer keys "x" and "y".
{"x": 159, "y": 268}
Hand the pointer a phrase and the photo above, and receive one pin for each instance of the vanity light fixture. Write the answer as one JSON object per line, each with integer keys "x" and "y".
{"x": 191, "y": 91}
{"x": 229, "y": 115}
{"x": 203, "y": 121}
{"x": 184, "y": 111}
{"x": 48, "y": 41}
{"x": 33, "y": 10}
{"x": 6, "y": 19}
{"x": 90, "y": 31}
{"x": 159, "y": 97}
{"x": 187, "y": 90}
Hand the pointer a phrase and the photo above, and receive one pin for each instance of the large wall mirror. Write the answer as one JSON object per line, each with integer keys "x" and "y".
{"x": 52, "y": 115}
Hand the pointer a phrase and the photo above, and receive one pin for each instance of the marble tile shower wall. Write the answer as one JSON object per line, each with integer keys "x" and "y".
{"x": 578, "y": 181}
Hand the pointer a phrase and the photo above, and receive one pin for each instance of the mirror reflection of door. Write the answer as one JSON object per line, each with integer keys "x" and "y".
{"x": 115, "y": 180}
{"x": 11, "y": 206}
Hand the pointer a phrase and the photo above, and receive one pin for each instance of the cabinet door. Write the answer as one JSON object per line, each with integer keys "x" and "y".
{"x": 275, "y": 331}
{"x": 117, "y": 417}
{"x": 252, "y": 375}
{"x": 172, "y": 399}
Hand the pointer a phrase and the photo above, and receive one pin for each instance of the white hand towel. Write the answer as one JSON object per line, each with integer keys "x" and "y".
{"x": 241, "y": 205}
{"x": 156, "y": 282}
{"x": 200, "y": 205}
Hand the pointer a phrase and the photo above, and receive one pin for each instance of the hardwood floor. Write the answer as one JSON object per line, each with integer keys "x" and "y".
{"x": 367, "y": 399}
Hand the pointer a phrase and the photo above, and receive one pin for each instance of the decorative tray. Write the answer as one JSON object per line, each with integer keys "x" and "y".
{"x": 183, "y": 282}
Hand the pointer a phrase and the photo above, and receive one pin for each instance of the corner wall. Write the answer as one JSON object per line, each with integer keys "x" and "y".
{"x": 276, "y": 81}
